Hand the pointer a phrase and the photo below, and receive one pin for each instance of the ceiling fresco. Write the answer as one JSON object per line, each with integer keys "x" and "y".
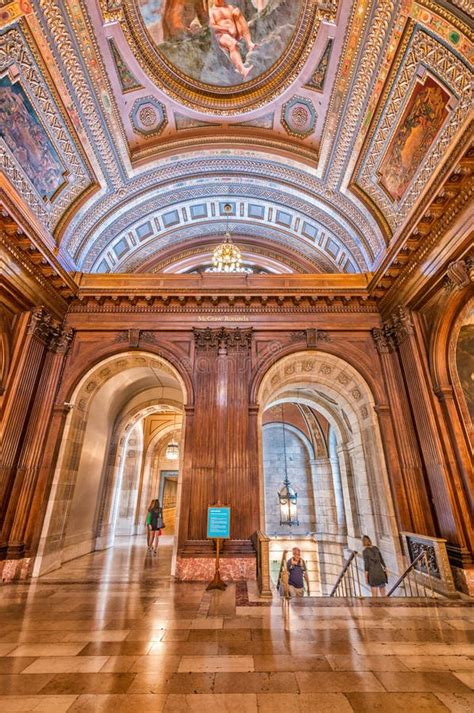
{"x": 126, "y": 124}
{"x": 219, "y": 43}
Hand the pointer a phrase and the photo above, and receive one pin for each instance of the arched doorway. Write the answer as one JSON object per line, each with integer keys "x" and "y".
{"x": 104, "y": 477}
{"x": 322, "y": 410}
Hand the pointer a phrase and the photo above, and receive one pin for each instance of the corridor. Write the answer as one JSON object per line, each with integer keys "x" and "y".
{"x": 111, "y": 631}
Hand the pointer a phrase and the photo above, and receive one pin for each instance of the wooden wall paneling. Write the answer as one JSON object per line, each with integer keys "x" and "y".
{"x": 21, "y": 507}
{"x": 26, "y": 368}
{"x": 410, "y": 494}
{"x": 451, "y": 509}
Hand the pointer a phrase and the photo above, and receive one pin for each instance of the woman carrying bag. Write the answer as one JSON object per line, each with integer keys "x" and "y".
{"x": 155, "y": 524}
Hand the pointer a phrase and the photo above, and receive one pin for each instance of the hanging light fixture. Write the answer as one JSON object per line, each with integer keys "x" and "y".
{"x": 172, "y": 449}
{"x": 227, "y": 256}
{"x": 287, "y": 496}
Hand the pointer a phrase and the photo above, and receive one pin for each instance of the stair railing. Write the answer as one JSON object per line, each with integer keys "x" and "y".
{"x": 409, "y": 581}
{"x": 282, "y": 582}
{"x": 348, "y": 582}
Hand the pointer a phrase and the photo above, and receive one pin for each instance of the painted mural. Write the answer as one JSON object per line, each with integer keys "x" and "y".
{"x": 25, "y": 136}
{"x": 422, "y": 119}
{"x": 465, "y": 361}
{"x": 218, "y": 42}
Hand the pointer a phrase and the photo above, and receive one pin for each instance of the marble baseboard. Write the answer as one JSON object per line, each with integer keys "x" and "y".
{"x": 464, "y": 580}
{"x": 16, "y": 570}
{"x": 201, "y": 569}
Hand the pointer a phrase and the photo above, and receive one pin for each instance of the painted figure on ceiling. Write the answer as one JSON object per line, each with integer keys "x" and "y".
{"x": 218, "y": 42}
{"x": 179, "y": 17}
{"x": 230, "y": 26}
{"x": 424, "y": 116}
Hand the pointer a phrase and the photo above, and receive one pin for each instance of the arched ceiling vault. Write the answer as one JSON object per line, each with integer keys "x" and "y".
{"x": 124, "y": 127}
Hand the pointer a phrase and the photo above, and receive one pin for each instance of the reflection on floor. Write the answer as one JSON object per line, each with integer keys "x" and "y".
{"x": 111, "y": 632}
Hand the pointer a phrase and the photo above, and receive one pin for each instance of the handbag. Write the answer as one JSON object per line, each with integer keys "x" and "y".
{"x": 160, "y": 522}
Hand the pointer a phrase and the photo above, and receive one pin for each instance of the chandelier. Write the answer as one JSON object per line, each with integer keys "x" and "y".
{"x": 227, "y": 256}
{"x": 287, "y": 496}
{"x": 172, "y": 449}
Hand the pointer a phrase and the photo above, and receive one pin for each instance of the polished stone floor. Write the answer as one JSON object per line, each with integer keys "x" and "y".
{"x": 111, "y": 632}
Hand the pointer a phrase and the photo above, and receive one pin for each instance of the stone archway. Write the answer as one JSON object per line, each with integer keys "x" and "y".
{"x": 108, "y": 401}
{"x": 338, "y": 391}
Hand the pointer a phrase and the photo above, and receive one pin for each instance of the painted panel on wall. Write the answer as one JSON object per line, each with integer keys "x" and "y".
{"x": 221, "y": 43}
{"x": 424, "y": 115}
{"x": 27, "y": 139}
{"x": 465, "y": 361}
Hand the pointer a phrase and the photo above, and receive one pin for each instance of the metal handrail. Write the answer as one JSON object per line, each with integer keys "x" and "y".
{"x": 349, "y": 584}
{"x": 283, "y": 575}
{"x": 412, "y": 568}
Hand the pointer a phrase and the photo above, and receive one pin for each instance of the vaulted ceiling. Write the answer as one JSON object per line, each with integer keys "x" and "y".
{"x": 126, "y": 125}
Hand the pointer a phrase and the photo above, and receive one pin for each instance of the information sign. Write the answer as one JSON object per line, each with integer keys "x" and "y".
{"x": 218, "y": 523}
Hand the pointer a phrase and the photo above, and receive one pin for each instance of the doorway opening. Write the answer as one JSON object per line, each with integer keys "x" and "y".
{"x": 319, "y": 430}
{"x": 115, "y": 458}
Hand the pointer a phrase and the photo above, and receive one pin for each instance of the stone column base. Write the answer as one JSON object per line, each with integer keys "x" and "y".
{"x": 201, "y": 569}
{"x": 16, "y": 570}
{"x": 464, "y": 580}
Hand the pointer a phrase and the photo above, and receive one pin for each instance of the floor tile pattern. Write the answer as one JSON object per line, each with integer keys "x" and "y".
{"x": 112, "y": 632}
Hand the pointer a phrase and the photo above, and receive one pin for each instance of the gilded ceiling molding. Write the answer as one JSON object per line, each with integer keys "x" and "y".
{"x": 347, "y": 98}
{"x": 228, "y": 100}
{"x": 304, "y": 264}
{"x": 176, "y": 199}
{"x": 54, "y": 14}
{"x": 244, "y": 139}
{"x": 83, "y": 228}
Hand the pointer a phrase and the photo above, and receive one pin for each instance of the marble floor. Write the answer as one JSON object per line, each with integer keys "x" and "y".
{"x": 111, "y": 632}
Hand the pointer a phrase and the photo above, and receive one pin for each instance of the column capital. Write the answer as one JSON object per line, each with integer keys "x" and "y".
{"x": 401, "y": 325}
{"x": 223, "y": 339}
{"x": 383, "y": 341}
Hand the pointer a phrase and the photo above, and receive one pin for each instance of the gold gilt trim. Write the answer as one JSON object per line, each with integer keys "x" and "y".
{"x": 213, "y": 99}
{"x": 245, "y": 137}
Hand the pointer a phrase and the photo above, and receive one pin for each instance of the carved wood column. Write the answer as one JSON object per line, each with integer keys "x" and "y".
{"x": 21, "y": 508}
{"x": 28, "y": 362}
{"x": 446, "y": 486}
{"x": 222, "y": 438}
{"x": 454, "y": 427}
{"x": 404, "y": 462}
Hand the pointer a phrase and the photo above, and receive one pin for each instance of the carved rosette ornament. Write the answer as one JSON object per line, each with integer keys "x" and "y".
{"x": 222, "y": 339}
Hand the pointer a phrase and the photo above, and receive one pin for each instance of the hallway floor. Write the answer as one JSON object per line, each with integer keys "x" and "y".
{"x": 111, "y": 632}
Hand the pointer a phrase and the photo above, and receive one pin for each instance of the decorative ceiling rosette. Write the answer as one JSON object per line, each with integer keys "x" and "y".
{"x": 221, "y": 56}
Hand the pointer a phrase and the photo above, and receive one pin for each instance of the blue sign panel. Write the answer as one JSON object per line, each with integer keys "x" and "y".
{"x": 218, "y": 523}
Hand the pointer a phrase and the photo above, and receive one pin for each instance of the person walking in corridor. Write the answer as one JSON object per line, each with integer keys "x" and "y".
{"x": 297, "y": 574}
{"x": 375, "y": 569}
{"x": 155, "y": 525}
